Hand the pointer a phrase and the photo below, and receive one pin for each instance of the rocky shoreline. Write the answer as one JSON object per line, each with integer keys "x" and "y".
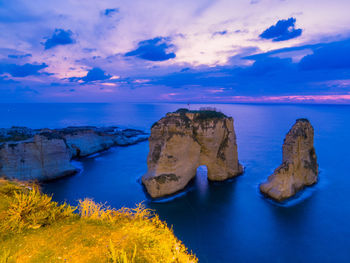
{"x": 179, "y": 143}
{"x": 46, "y": 154}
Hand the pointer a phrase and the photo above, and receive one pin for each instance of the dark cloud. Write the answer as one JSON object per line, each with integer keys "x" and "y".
{"x": 21, "y": 71}
{"x": 185, "y": 69}
{"x": 283, "y": 30}
{"x": 269, "y": 65}
{"x": 220, "y": 33}
{"x": 20, "y": 56}
{"x": 334, "y": 55}
{"x": 96, "y": 74}
{"x": 59, "y": 37}
{"x": 155, "y": 49}
{"x": 110, "y": 11}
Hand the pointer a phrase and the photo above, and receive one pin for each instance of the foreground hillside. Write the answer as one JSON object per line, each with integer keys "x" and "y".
{"x": 35, "y": 229}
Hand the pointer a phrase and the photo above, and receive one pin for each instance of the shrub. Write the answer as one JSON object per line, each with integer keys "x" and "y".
{"x": 31, "y": 210}
{"x": 134, "y": 234}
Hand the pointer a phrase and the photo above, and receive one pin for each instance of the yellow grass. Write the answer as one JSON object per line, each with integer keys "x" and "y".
{"x": 35, "y": 229}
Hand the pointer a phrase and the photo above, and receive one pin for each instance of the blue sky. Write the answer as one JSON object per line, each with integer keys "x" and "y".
{"x": 181, "y": 51}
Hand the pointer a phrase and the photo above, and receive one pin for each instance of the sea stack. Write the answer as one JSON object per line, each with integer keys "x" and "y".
{"x": 299, "y": 166}
{"x": 184, "y": 140}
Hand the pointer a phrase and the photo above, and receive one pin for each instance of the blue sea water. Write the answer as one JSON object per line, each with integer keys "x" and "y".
{"x": 228, "y": 221}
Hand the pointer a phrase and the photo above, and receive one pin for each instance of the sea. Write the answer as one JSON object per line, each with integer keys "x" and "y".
{"x": 220, "y": 222}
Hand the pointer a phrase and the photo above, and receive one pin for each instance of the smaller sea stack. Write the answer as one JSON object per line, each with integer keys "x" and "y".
{"x": 299, "y": 166}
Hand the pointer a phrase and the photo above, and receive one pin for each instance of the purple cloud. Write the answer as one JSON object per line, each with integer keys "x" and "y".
{"x": 110, "y": 11}
{"x": 96, "y": 74}
{"x": 21, "y": 71}
{"x": 59, "y": 37}
{"x": 155, "y": 49}
{"x": 283, "y": 30}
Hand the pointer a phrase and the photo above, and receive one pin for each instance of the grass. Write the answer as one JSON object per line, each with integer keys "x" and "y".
{"x": 33, "y": 228}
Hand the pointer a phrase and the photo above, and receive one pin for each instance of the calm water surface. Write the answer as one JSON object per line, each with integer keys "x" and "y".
{"x": 220, "y": 222}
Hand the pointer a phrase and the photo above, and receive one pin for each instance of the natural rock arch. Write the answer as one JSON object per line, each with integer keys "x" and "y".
{"x": 184, "y": 140}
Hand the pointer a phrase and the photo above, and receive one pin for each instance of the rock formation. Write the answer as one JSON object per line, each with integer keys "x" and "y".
{"x": 41, "y": 158}
{"x": 299, "y": 166}
{"x": 184, "y": 140}
{"x": 84, "y": 141}
{"x": 45, "y": 154}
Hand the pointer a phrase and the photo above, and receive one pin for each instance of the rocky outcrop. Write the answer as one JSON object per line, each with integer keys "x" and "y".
{"x": 41, "y": 158}
{"x": 183, "y": 141}
{"x": 299, "y": 166}
{"x": 45, "y": 154}
{"x": 84, "y": 141}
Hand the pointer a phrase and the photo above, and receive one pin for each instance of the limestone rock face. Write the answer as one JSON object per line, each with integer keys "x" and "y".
{"x": 40, "y": 158}
{"x": 183, "y": 141}
{"x": 84, "y": 141}
{"x": 299, "y": 166}
{"x": 45, "y": 154}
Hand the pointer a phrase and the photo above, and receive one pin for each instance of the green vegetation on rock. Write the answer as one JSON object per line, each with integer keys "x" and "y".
{"x": 203, "y": 113}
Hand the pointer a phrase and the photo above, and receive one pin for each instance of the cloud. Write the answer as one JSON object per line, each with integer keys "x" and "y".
{"x": 220, "y": 33}
{"x": 96, "y": 74}
{"x": 334, "y": 55}
{"x": 269, "y": 65}
{"x": 59, "y": 37}
{"x": 20, "y": 71}
{"x": 282, "y": 31}
{"x": 5, "y": 81}
{"x": 253, "y": 2}
{"x": 110, "y": 11}
{"x": 155, "y": 49}
{"x": 19, "y": 56}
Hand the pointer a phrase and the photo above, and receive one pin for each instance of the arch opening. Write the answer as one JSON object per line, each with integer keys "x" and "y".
{"x": 201, "y": 180}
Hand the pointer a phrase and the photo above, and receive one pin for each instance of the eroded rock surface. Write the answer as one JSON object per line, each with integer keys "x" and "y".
{"x": 39, "y": 158}
{"x": 183, "y": 141}
{"x": 299, "y": 166}
{"x": 45, "y": 154}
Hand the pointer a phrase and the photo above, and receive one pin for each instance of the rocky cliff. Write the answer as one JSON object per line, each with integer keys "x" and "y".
{"x": 299, "y": 166}
{"x": 183, "y": 141}
{"x": 84, "y": 141}
{"x": 45, "y": 154}
{"x": 42, "y": 158}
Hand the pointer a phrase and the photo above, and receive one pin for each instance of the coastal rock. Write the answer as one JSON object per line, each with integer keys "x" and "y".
{"x": 183, "y": 141}
{"x": 41, "y": 158}
{"x": 84, "y": 141}
{"x": 299, "y": 166}
{"x": 44, "y": 154}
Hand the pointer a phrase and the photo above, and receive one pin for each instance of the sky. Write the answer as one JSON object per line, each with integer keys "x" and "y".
{"x": 284, "y": 51}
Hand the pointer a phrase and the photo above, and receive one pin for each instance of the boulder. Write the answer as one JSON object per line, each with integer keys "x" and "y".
{"x": 299, "y": 166}
{"x": 184, "y": 140}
